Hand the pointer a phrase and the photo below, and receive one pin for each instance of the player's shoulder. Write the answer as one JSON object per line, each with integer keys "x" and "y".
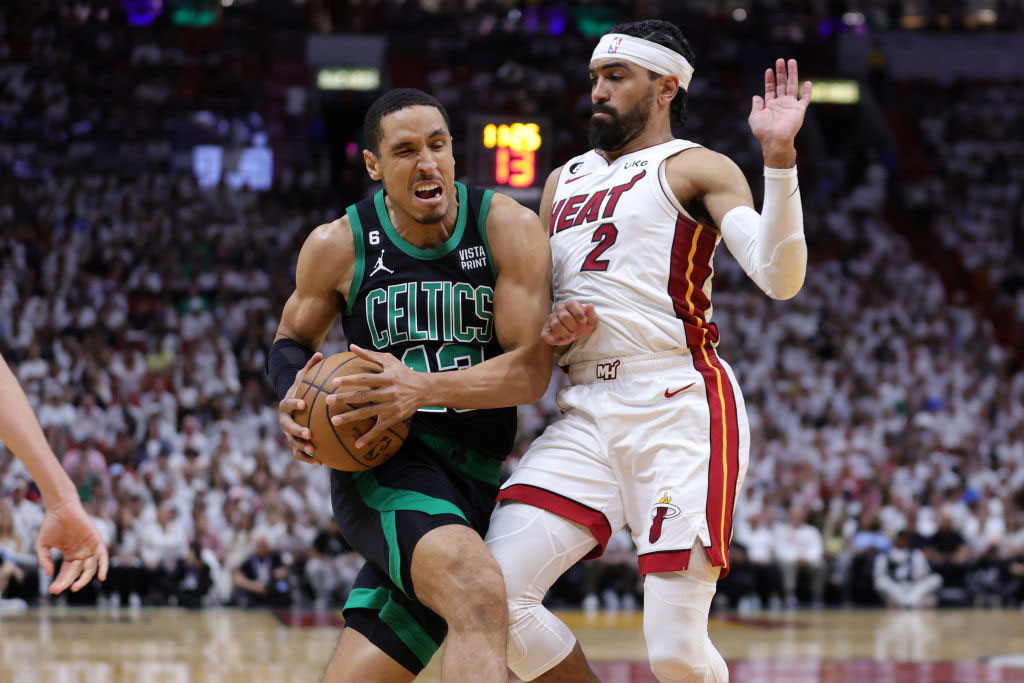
{"x": 504, "y": 209}
{"x": 702, "y": 157}
{"x": 510, "y": 225}
{"x": 701, "y": 165}
{"x": 331, "y": 240}
{"x": 327, "y": 257}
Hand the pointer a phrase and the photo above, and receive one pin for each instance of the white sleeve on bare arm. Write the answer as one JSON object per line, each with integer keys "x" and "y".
{"x": 770, "y": 245}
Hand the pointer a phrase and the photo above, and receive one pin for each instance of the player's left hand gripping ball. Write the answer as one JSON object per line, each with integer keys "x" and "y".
{"x": 392, "y": 396}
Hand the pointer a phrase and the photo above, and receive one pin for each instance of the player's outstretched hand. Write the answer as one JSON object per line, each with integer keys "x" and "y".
{"x": 298, "y": 436}
{"x": 568, "y": 322}
{"x": 394, "y": 394}
{"x": 67, "y": 528}
{"x": 776, "y": 117}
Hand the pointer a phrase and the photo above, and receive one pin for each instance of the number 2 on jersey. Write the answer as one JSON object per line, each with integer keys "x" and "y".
{"x": 605, "y": 236}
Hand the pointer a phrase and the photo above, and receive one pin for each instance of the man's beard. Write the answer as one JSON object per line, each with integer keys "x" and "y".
{"x": 620, "y": 130}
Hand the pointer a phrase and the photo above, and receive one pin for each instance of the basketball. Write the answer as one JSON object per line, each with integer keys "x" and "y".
{"x": 335, "y": 444}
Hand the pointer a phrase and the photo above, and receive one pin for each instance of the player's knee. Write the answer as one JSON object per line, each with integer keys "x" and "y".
{"x": 685, "y": 659}
{"x": 520, "y": 594}
{"x": 676, "y": 626}
{"x": 477, "y": 600}
{"x": 523, "y": 590}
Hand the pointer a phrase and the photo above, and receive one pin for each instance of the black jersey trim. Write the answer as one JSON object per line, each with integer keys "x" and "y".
{"x": 485, "y": 207}
{"x": 357, "y": 269}
{"x": 416, "y": 252}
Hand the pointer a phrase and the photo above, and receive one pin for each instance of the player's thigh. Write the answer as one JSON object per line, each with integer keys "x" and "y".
{"x": 384, "y": 513}
{"x": 534, "y": 547}
{"x": 357, "y": 660}
{"x": 680, "y": 447}
{"x": 566, "y": 472}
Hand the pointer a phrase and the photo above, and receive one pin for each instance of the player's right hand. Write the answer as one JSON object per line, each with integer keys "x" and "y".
{"x": 568, "y": 322}
{"x": 298, "y": 436}
{"x": 67, "y": 528}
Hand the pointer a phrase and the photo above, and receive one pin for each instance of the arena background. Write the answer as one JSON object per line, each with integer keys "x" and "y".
{"x": 161, "y": 162}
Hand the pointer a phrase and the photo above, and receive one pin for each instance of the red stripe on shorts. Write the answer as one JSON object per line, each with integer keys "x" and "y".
{"x": 563, "y": 507}
{"x": 723, "y": 472}
{"x": 665, "y": 561}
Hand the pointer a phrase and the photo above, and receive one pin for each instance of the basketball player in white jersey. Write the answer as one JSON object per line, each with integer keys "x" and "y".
{"x": 654, "y": 435}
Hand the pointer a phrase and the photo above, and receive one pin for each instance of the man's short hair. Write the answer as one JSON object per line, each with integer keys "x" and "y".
{"x": 392, "y": 101}
{"x": 666, "y": 34}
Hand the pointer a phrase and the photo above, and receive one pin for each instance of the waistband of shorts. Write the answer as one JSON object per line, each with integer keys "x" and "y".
{"x": 609, "y": 369}
{"x": 473, "y": 463}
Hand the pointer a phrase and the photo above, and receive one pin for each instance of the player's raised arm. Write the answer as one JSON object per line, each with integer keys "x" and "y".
{"x": 324, "y": 271}
{"x": 769, "y": 245}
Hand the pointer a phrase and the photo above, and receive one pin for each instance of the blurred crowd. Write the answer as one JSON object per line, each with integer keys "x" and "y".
{"x": 886, "y": 406}
{"x": 966, "y": 192}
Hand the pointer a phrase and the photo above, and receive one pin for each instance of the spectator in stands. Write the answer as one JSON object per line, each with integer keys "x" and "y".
{"x": 163, "y": 544}
{"x": 759, "y": 543}
{"x": 191, "y": 579}
{"x": 12, "y": 552}
{"x": 332, "y": 566}
{"x": 262, "y": 580}
{"x": 128, "y": 576}
{"x": 801, "y": 555}
{"x": 903, "y": 577}
{"x": 948, "y": 553}
{"x": 991, "y": 581}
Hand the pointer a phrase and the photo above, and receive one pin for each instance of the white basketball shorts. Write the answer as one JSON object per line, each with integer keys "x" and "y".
{"x": 657, "y": 443}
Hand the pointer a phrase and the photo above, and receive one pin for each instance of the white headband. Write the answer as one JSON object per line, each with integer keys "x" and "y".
{"x": 645, "y": 53}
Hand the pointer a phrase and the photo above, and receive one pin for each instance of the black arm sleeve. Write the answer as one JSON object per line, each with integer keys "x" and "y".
{"x": 284, "y": 361}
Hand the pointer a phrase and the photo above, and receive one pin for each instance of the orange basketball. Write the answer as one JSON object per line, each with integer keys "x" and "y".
{"x": 335, "y": 445}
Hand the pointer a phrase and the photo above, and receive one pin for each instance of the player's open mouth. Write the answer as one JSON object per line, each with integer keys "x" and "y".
{"x": 428, "y": 191}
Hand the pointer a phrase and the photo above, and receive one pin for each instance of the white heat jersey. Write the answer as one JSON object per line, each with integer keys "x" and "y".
{"x": 620, "y": 240}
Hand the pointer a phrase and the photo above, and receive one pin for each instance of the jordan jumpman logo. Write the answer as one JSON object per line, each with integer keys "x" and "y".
{"x": 380, "y": 265}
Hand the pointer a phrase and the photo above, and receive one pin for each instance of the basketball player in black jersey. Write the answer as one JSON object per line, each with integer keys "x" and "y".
{"x": 430, "y": 275}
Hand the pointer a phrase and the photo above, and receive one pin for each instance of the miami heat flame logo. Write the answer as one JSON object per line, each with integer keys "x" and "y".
{"x": 661, "y": 511}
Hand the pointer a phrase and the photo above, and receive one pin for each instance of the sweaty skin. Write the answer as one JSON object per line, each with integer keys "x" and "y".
{"x": 522, "y": 302}
{"x": 451, "y": 568}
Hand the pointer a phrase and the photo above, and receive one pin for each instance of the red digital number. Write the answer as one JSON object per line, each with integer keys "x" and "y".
{"x": 518, "y": 169}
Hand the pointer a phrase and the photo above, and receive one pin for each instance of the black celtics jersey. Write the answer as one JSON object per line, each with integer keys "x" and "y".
{"x": 431, "y": 308}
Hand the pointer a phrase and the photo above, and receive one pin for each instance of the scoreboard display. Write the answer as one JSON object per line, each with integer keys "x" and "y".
{"x": 511, "y": 155}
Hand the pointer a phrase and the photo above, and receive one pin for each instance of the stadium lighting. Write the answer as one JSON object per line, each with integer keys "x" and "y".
{"x": 835, "y": 91}
{"x": 348, "y": 78}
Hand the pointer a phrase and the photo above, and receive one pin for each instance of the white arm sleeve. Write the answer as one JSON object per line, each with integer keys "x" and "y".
{"x": 770, "y": 245}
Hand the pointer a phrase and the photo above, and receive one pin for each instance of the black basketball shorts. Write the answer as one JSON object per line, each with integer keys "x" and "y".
{"x": 383, "y": 513}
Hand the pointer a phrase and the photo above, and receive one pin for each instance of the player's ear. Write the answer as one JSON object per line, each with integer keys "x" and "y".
{"x": 371, "y": 161}
{"x": 668, "y": 89}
